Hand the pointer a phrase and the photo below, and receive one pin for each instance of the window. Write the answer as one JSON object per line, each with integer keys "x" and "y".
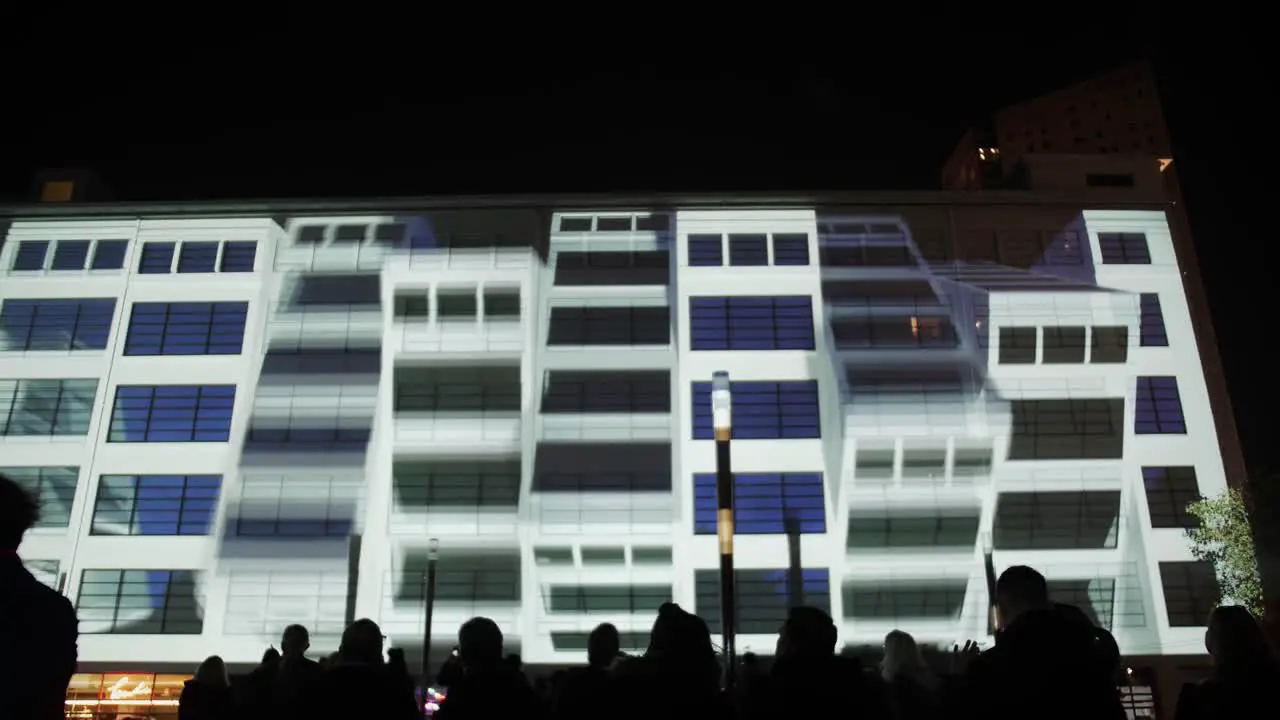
{"x": 492, "y": 577}
{"x": 156, "y": 504}
{"x": 31, "y": 255}
{"x": 54, "y": 488}
{"x": 56, "y": 408}
{"x": 1191, "y": 592}
{"x": 311, "y": 235}
{"x": 1124, "y": 249}
{"x": 70, "y": 255}
{"x": 449, "y": 485}
{"x": 918, "y": 294}
{"x": 749, "y": 250}
{"x": 138, "y": 602}
{"x": 763, "y": 410}
{"x": 458, "y": 389}
{"x": 317, "y": 600}
{"x": 943, "y": 528}
{"x": 198, "y": 257}
{"x": 1151, "y": 332}
{"x": 1096, "y": 597}
{"x": 1169, "y": 491}
{"x": 628, "y": 642}
{"x": 893, "y": 331}
{"x": 297, "y": 505}
{"x": 706, "y": 250}
{"x": 1063, "y": 345}
{"x": 751, "y": 323}
{"x": 763, "y": 504}
{"x": 653, "y": 223}
{"x": 860, "y": 255}
{"x": 1086, "y": 429}
{"x": 391, "y": 234}
{"x": 349, "y": 234}
{"x": 1018, "y": 345}
{"x": 457, "y": 304}
{"x": 338, "y": 290}
{"x": 1158, "y": 409}
{"x": 763, "y": 597}
{"x": 607, "y": 391}
{"x": 1056, "y": 520}
{"x": 607, "y": 599}
{"x": 553, "y": 556}
{"x": 628, "y": 326}
{"x": 502, "y": 303}
{"x": 157, "y": 258}
{"x": 602, "y": 467}
{"x": 412, "y": 306}
{"x": 172, "y": 413}
{"x": 41, "y": 325}
{"x": 603, "y": 555}
{"x": 295, "y": 414}
{"x": 613, "y": 224}
{"x": 575, "y": 224}
{"x": 238, "y": 256}
{"x": 45, "y": 572}
{"x": 651, "y": 556}
{"x": 637, "y": 267}
{"x": 109, "y": 255}
{"x": 905, "y": 600}
{"x": 186, "y": 328}
{"x": 1110, "y": 345}
{"x": 790, "y": 249}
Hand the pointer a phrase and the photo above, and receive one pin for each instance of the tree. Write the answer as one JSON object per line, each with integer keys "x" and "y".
{"x": 1225, "y": 539}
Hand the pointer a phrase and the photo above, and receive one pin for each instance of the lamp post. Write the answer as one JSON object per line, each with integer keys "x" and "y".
{"x": 722, "y": 421}
{"x": 989, "y": 566}
{"x": 429, "y": 593}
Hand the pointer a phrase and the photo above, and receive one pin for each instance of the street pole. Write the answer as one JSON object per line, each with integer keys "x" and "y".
{"x": 429, "y": 594}
{"x": 722, "y": 421}
{"x": 990, "y": 568}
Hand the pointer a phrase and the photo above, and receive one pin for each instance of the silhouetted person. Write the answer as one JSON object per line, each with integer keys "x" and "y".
{"x": 207, "y": 696}
{"x": 680, "y": 663}
{"x": 911, "y": 686}
{"x": 489, "y": 686}
{"x": 295, "y": 679}
{"x": 585, "y": 691}
{"x": 358, "y": 684}
{"x": 1244, "y": 677}
{"x": 38, "y": 627}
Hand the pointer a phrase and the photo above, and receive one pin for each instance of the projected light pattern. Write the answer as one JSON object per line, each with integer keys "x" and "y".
{"x": 273, "y": 417}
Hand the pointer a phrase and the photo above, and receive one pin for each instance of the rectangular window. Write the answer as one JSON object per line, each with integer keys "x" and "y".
{"x": 57, "y": 408}
{"x": 1056, "y": 520}
{"x": 1085, "y": 429}
{"x": 138, "y": 602}
{"x": 502, "y": 304}
{"x": 46, "y": 572}
{"x": 487, "y": 578}
{"x": 1063, "y": 345}
{"x": 790, "y": 249}
{"x": 412, "y": 306}
{"x": 54, "y": 488}
{"x": 763, "y": 410}
{"x": 749, "y": 250}
{"x": 905, "y": 600}
{"x": 751, "y": 323}
{"x": 109, "y": 254}
{"x": 609, "y": 467}
{"x": 893, "y": 331}
{"x": 315, "y": 599}
{"x": 172, "y": 413}
{"x": 1169, "y": 491}
{"x": 1124, "y": 249}
{"x": 186, "y": 328}
{"x": 1018, "y": 345}
{"x": 609, "y": 326}
{"x": 653, "y": 223}
{"x": 31, "y": 255}
{"x": 632, "y": 643}
{"x": 1191, "y": 592}
{"x": 611, "y": 391}
{"x": 156, "y": 258}
{"x": 458, "y": 389}
{"x": 238, "y": 256}
{"x": 298, "y": 505}
{"x": 449, "y": 485}
{"x": 1158, "y": 408}
{"x": 40, "y": 325}
{"x": 1096, "y": 597}
{"x": 638, "y": 267}
{"x": 1110, "y": 345}
{"x": 198, "y": 257}
{"x": 706, "y": 250}
{"x": 763, "y": 504}
{"x": 1151, "y": 332}
{"x": 155, "y": 504}
{"x": 763, "y": 597}
{"x": 942, "y": 528}
{"x": 70, "y": 255}
{"x": 607, "y": 599}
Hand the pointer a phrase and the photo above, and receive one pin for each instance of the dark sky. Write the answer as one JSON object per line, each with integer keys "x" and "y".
{"x": 203, "y": 101}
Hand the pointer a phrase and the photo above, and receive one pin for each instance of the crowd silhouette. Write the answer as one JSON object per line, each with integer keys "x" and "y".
{"x": 1048, "y": 661}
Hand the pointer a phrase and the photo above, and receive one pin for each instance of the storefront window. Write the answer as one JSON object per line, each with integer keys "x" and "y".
{"x": 124, "y": 696}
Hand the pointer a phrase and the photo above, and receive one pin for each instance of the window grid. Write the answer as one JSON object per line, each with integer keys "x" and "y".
{"x": 1124, "y": 249}
{"x": 111, "y": 597}
{"x": 1109, "y": 345}
{"x": 1095, "y": 597}
{"x": 459, "y": 389}
{"x": 893, "y": 331}
{"x": 628, "y": 642}
{"x": 109, "y": 255}
{"x": 292, "y": 506}
{"x": 451, "y": 485}
{"x": 156, "y": 258}
{"x": 958, "y": 530}
{"x": 57, "y": 408}
{"x": 606, "y": 599}
{"x": 751, "y": 323}
{"x": 1084, "y": 429}
{"x": 763, "y": 410}
{"x": 198, "y": 257}
{"x": 1063, "y": 345}
{"x": 46, "y": 325}
{"x": 156, "y": 504}
{"x": 261, "y": 603}
{"x": 763, "y": 597}
{"x": 463, "y": 579}
{"x": 763, "y": 503}
{"x": 905, "y": 600}
{"x": 70, "y": 255}
{"x": 186, "y": 328}
{"x": 1158, "y": 409}
{"x": 1191, "y": 592}
{"x": 589, "y": 391}
{"x": 238, "y": 256}
{"x": 790, "y": 249}
{"x": 608, "y": 326}
{"x": 501, "y": 303}
{"x": 706, "y": 250}
{"x": 636, "y": 267}
{"x": 172, "y": 413}
{"x": 1151, "y": 330}
{"x": 54, "y": 487}
{"x": 1018, "y": 345}
{"x": 1056, "y": 520}
{"x": 31, "y": 255}
{"x": 748, "y": 250}
{"x": 1169, "y": 491}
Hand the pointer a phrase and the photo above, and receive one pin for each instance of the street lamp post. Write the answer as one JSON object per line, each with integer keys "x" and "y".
{"x": 989, "y": 566}
{"x": 429, "y": 594}
{"x": 722, "y": 421}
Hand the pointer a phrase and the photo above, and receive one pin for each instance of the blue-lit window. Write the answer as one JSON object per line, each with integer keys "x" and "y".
{"x": 198, "y": 257}
{"x": 790, "y": 249}
{"x": 31, "y": 255}
{"x": 157, "y": 258}
{"x": 763, "y": 503}
{"x": 238, "y": 256}
{"x": 1151, "y": 330}
{"x": 155, "y": 504}
{"x": 172, "y": 413}
{"x": 706, "y": 250}
{"x": 751, "y": 323}
{"x": 763, "y": 410}
{"x": 1158, "y": 409}
{"x": 109, "y": 255}
{"x": 186, "y": 328}
{"x": 1124, "y": 249}
{"x": 37, "y": 325}
{"x": 764, "y": 597}
{"x": 138, "y": 602}
{"x": 749, "y": 250}
{"x": 70, "y": 255}
{"x": 46, "y": 408}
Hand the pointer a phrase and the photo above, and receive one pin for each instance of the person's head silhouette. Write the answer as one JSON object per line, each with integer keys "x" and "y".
{"x": 19, "y": 512}
{"x": 295, "y": 641}
{"x": 1019, "y": 590}
{"x": 480, "y": 643}
{"x": 603, "y": 645}
{"x": 807, "y": 632}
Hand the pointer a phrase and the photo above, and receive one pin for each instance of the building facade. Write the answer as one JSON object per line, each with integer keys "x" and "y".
{"x": 239, "y": 420}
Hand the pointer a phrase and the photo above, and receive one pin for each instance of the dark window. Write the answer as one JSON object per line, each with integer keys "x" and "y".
{"x": 790, "y": 249}
{"x": 295, "y": 506}
{"x": 653, "y": 223}
{"x": 1056, "y": 520}
{"x": 613, "y": 224}
{"x": 109, "y": 254}
{"x": 186, "y": 329}
{"x": 338, "y": 290}
{"x": 412, "y": 306}
{"x": 31, "y": 255}
{"x": 607, "y": 599}
{"x": 172, "y": 413}
{"x": 198, "y": 257}
{"x": 651, "y": 555}
{"x": 1063, "y": 345}
{"x": 751, "y": 323}
{"x": 844, "y": 255}
{"x": 628, "y": 642}
{"x": 349, "y": 234}
{"x": 457, "y": 304}
{"x": 1158, "y": 409}
{"x": 905, "y": 600}
{"x": 238, "y": 256}
{"x": 609, "y": 326}
{"x": 156, "y": 258}
{"x": 1169, "y": 491}
{"x": 1096, "y": 597}
{"x": 57, "y": 408}
{"x": 501, "y": 303}
{"x": 618, "y": 467}
{"x": 458, "y": 389}
{"x": 53, "y": 487}
{"x": 640, "y": 267}
{"x": 553, "y": 556}
{"x": 763, "y": 597}
{"x": 881, "y": 294}
{"x": 892, "y": 331}
{"x": 311, "y": 234}
{"x": 1017, "y": 345}
{"x": 706, "y": 250}
{"x": 1108, "y": 179}
{"x": 389, "y": 234}
{"x": 938, "y": 529}
{"x": 604, "y": 555}
{"x": 763, "y": 410}
{"x": 138, "y": 602}
{"x": 1191, "y": 592}
{"x": 34, "y": 325}
{"x": 1110, "y": 345}
{"x": 763, "y": 503}
{"x": 748, "y": 250}
{"x": 1087, "y": 429}
{"x": 1151, "y": 331}
{"x": 453, "y": 484}
{"x": 70, "y": 255}
{"x": 575, "y": 224}
{"x": 1124, "y": 249}
{"x": 464, "y": 578}
{"x": 607, "y": 391}
{"x": 155, "y": 504}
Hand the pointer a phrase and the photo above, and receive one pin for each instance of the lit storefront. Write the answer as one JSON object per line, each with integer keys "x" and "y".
{"x": 124, "y": 696}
